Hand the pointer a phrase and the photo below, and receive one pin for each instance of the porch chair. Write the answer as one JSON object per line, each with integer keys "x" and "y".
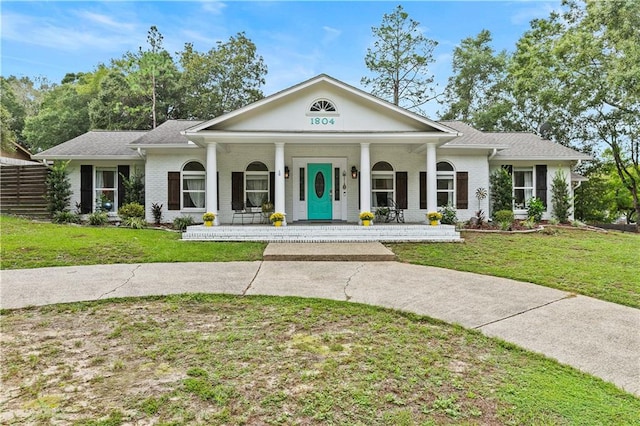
{"x": 395, "y": 212}
{"x": 241, "y": 211}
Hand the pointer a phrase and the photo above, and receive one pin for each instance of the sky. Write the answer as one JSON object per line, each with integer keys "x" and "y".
{"x": 297, "y": 39}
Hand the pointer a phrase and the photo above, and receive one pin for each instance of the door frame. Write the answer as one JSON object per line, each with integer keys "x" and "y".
{"x": 339, "y": 208}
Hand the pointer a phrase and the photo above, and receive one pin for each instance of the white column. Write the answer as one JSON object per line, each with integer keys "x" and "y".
{"x": 365, "y": 178}
{"x": 432, "y": 179}
{"x": 279, "y": 181}
{"x": 212, "y": 181}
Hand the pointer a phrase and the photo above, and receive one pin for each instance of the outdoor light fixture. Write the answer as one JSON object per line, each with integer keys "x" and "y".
{"x": 286, "y": 172}
{"x": 354, "y": 172}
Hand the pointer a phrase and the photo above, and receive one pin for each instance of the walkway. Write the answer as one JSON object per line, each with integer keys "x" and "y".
{"x": 598, "y": 337}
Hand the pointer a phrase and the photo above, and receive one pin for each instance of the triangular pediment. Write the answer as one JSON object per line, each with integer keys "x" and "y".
{"x": 307, "y": 107}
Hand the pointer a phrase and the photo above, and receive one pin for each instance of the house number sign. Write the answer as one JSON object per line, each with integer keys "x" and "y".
{"x": 322, "y": 121}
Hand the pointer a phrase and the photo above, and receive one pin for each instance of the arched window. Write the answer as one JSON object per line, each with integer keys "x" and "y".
{"x": 382, "y": 184}
{"x": 256, "y": 184}
{"x": 193, "y": 185}
{"x": 322, "y": 106}
{"x": 446, "y": 184}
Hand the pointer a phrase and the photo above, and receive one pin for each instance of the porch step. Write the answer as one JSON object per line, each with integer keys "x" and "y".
{"x": 324, "y": 233}
{"x": 335, "y": 252}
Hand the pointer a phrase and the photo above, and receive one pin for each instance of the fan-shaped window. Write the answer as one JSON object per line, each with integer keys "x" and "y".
{"x": 446, "y": 184}
{"x": 382, "y": 184}
{"x": 193, "y": 185}
{"x": 256, "y": 184}
{"x": 322, "y": 105}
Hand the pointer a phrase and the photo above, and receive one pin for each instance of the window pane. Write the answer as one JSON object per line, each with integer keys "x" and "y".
{"x": 445, "y": 183}
{"x": 382, "y": 166}
{"x": 443, "y": 166}
{"x": 384, "y": 182}
{"x": 193, "y": 166}
{"x": 106, "y": 179}
{"x": 257, "y": 166}
{"x": 257, "y": 183}
{"x": 380, "y": 199}
{"x": 302, "y": 184}
{"x": 444, "y": 198}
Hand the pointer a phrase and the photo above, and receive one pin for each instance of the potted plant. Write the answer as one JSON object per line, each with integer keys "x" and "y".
{"x": 434, "y": 217}
{"x": 277, "y": 218}
{"x": 366, "y": 218}
{"x": 208, "y": 218}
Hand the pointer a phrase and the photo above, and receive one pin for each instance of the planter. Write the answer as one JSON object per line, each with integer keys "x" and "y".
{"x": 366, "y": 223}
{"x": 434, "y": 223}
{"x": 277, "y": 223}
{"x": 208, "y": 223}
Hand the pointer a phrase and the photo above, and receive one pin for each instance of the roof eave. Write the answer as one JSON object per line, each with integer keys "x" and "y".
{"x": 85, "y": 157}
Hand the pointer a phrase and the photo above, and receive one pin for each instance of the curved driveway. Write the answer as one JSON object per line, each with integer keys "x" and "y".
{"x": 600, "y": 338}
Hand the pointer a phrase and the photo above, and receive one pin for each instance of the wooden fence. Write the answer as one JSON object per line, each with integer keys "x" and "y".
{"x": 22, "y": 190}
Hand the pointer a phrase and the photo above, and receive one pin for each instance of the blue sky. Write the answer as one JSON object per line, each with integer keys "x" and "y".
{"x": 297, "y": 39}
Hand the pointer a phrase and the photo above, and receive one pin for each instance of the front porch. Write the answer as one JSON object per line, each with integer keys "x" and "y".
{"x": 325, "y": 233}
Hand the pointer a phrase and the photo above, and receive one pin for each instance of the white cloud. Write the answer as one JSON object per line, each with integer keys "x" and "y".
{"x": 213, "y": 7}
{"x": 105, "y": 21}
{"x": 330, "y": 34}
{"x": 531, "y": 12}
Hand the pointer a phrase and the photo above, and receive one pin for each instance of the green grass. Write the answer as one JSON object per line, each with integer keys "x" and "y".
{"x": 601, "y": 265}
{"x": 30, "y": 244}
{"x": 207, "y": 359}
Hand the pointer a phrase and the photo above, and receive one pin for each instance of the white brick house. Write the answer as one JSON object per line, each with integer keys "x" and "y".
{"x": 319, "y": 151}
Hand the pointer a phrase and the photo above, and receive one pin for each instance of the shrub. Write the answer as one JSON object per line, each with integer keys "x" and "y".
{"x": 528, "y": 224}
{"x": 135, "y": 222}
{"x": 133, "y": 187}
{"x": 501, "y": 190}
{"x": 65, "y": 217}
{"x": 98, "y": 218}
{"x": 448, "y": 215}
{"x": 58, "y": 186}
{"x": 182, "y": 222}
{"x": 535, "y": 209}
{"x": 131, "y": 210}
{"x": 560, "y": 198}
{"x": 504, "y": 218}
{"x": 156, "y": 212}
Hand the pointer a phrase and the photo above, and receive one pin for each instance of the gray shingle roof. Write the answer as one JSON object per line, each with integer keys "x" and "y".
{"x": 168, "y": 133}
{"x": 470, "y": 137}
{"x": 96, "y": 143}
{"x": 524, "y": 146}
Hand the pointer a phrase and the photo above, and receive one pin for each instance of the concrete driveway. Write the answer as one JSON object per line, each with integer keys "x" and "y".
{"x": 597, "y": 337}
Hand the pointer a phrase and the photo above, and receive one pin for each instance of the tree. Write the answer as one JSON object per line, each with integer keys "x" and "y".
{"x": 581, "y": 68}
{"x": 8, "y": 134}
{"x": 400, "y": 60}
{"x": 560, "y": 197}
{"x": 501, "y": 190}
{"x": 224, "y": 79}
{"x": 477, "y": 92}
{"x": 116, "y": 106}
{"x": 58, "y": 188}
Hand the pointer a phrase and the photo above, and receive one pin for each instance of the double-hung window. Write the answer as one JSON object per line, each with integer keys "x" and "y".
{"x": 193, "y": 186}
{"x": 382, "y": 184}
{"x": 106, "y": 189}
{"x": 256, "y": 185}
{"x": 445, "y": 184}
{"x": 522, "y": 187}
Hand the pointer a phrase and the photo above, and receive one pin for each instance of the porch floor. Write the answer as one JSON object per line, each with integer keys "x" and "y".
{"x": 322, "y": 232}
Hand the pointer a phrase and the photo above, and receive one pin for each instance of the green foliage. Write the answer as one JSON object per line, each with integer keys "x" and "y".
{"x": 181, "y": 222}
{"x": 131, "y": 210}
{"x": 400, "y": 61}
{"x": 58, "y": 186}
{"x": 134, "y": 187}
{"x": 65, "y": 217}
{"x": 98, "y": 218}
{"x": 560, "y": 197}
{"x": 115, "y": 106}
{"x": 135, "y": 222}
{"x": 501, "y": 190}
{"x": 156, "y": 212}
{"x": 448, "y": 215}
{"x": 504, "y": 218}
{"x": 535, "y": 209}
{"x": 224, "y": 79}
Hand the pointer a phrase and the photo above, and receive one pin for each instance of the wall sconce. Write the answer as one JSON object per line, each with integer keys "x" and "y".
{"x": 354, "y": 172}
{"x": 286, "y": 172}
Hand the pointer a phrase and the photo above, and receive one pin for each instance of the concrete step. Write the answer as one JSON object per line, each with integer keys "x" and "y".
{"x": 335, "y": 252}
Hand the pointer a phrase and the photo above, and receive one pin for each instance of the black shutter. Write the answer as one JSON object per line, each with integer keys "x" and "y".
{"x": 423, "y": 190}
{"x": 272, "y": 187}
{"x": 123, "y": 173}
{"x": 86, "y": 188}
{"x": 173, "y": 190}
{"x": 462, "y": 190}
{"x": 541, "y": 183}
{"x": 237, "y": 190}
{"x": 359, "y": 193}
{"x": 218, "y": 190}
{"x": 401, "y": 190}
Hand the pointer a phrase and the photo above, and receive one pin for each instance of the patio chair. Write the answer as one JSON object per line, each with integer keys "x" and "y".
{"x": 395, "y": 212}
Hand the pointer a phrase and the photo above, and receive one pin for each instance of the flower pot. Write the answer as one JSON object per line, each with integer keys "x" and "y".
{"x": 366, "y": 223}
{"x": 208, "y": 223}
{"x": 277, "y": 223}
{"x": 434, "y": 223}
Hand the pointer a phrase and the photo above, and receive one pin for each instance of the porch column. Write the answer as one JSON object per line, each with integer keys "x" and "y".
{"x": 365, "y": 178}
{"x": 432, "y": 179}
{"x": 212, "y": 181}
{"x": 279, "y": 181}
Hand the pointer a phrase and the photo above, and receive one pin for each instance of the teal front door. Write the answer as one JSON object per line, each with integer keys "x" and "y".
{"x": 319, "y": 206}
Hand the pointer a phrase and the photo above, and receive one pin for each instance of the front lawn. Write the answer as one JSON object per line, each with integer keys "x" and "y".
{"x": 206, "y": 359}
{"x": 31, "y": 244}
{"x": 601, "y": 265}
